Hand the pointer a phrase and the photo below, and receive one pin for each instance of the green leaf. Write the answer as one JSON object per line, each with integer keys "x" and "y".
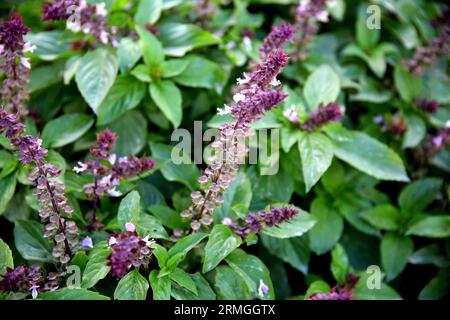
{"x": 161, "y": 254}
{"x": 97, "y": 266}
{"x": 383, "y": 216}
{"x": 185, "y": 173}
{"x": 50, "y": 45}
{"x": 160, "y": 286}
{"x": 229, "y": 286}
{"x": 339, "y": 264}
{"x": 168, "y": 217}
{"x": 185, "y": 244}
{"x": 147, "y": 225}
{"x": 321, "y": 87}
{"x": 66, "y": 129}
{"x": 295, "y": 227}
{"x": 129, "y": 208}
{"x": 132, "y": 287}
{"x": 395, "y": 253}
{"x": 152, "y": 50}
{"x": 180, "y": 38}
{"x": 72, "y": 294}
{"x": 316, "y": 152}
{"x": 408, "y": 86}
{"x": 129, "y": 142}
{"x": 30, "y": 242}
{"x": 363, "y": 292}
{"x": 252, "y": 270}
{"x": 125, "y": 94}
{"x": 7, "y": 188}
{"x": 148, "y": 11}
{"x": 173, "y": 68}
{"x": 328, "y": 229}
{"x": 367, "y": 38}
{"x": 431, "y": 227}
{"x": 142, "y": 72}
{"x": 203, "y": 288}
{"x": 129, "y": 53}
{"x": 184, "y": 280}
{"x": 318, "y": 286}
{"x": 437, "y": 288}
{"x": 371, "y": 157}
{"x": 416, "y": 196}
{"x": 416, "y": 130}
{"x": 222, "y": 241}
{"x": 202, "y": 73}
{"x": 96, "y": 75}
{"x": 6, "y": 259}
{"x": 168, "y": 98}
{"x": 294, "y": 251}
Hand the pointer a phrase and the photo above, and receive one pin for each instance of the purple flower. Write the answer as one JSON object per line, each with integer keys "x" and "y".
{"x": 15, "y": 66}
{"x": 263, "y": 289}
{"x": 254, "y": 222}
{"x": 28, "y": 279}
{"x": 427, "y": 105}
{"x": 340, "y": 291}
{"x": 128, "y": 250}
{"x": 322, "y": 116}
{"x": 87, "y": 243}
{"x": 277, "y": 38}
{"x": 49, "y": 192}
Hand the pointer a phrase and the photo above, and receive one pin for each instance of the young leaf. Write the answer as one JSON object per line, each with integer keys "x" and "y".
{"x": 371, "y": 157}
{"x": 6, "y": 259}
{"x": 147, "y": 225}
{"x": 125, "y": 94}
{"x": 321, "y": 87}
{"x": 161, "y": 286}
{"x": 384, "y": 216}
{"x": 132, "y": 287}
{"x": 339, "y": 264}
{"x": 185, "y": 244}
{"x": 97, "y": 267}
{"x": 130, "y": 208}
{"x": 66, "y": 129}
{"x": 416, "y": 196}
{"x": 152, "y": 50}
{"x": 316, "y": 151}
{"x": 222, "y": 241}
{"x": 168, "y": 98}
{"x": 148, "y": 11}
{"x": 295, "y": 227}
{"x": 328, "y": 229}
{"x": 431, "y": 227}
{"x": 96, "y": 75}
{"x": 395, "y": 253}
{"x": 408, "y": 86}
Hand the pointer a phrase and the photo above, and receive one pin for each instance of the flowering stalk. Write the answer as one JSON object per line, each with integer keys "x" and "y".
{"x": 395, "y": 125}
{"x": 128, "y": 250}
{"x": 108, "y": 171}
{"x": 254, "y": 222}
{"x": 81, "y": 16}
{"x": 340, "y": 291}
{"x": 26, "y": 279}
{"x": 322, "y": 116}
{"x": 15, "y": 67}
{"x": 308, "y": 13}
{"x": 276, "y": 39}
{"x": 426, "y": 55}
{"x": 255, "y": 97}
{"x": 50, "y": 193}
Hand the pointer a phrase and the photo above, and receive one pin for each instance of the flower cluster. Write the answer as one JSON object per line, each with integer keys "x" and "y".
{"x": 108, "y": 171}
{"x": 15, "y": 66}
{"x": 395, "y": 124}
{"x": 307, "y": 15}
{"x": 255, "y": 96}
{"x": 254, "y": 222}
{"x": 437, "y": 143}
{"x": 426, "y": 55}
{"x": 429, "y": 106}
{"x": 204, "y": 10}
{"x": 28, "y": 279}
{"x": 81, "y": 16}
{"x": 340, "y": 291}
{"x": 322, "y": 116}
{"x": 49, "y": 192}
{"x": 128, "y": 250}
{"x": 277, "y": 38}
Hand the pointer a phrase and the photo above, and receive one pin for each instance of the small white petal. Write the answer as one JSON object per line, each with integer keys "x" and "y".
{"x": 238, "y": 97}
{"x": 130, "y": 227}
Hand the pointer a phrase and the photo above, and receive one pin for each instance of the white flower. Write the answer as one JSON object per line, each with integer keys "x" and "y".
{"x": 25, "y": 62}
{"x": 112, "y": 241}
{"x": 1, "y": 48}
{"x": 81, "y": 167}
{"x": 226, "y": 110}
{"x": 100, "y": 9}
{"x": 34, "y": 292}
{"x": 447, "y": 124}
{"x": 112, "y": 158}
{"x": 247, "y": 43}
{"x": 147, "y": 241}
{"x": 275, "y": 82}
{"x": 28, "y": 47}
{"x": 130, "y": 227}
{"x": 238, "y": 97}
{"x": 243, "y": 81}
{"x": 227, "y": 221}
{"x": 291, "y": 114}
{"x": 323, "y": 16}
{"x": 104, "y": 37}
{"x": 113, "y": 192}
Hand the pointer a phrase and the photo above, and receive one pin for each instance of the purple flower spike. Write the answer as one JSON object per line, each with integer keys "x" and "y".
{"x": 330, "y": 113}
{"x": 277, "y": 38}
